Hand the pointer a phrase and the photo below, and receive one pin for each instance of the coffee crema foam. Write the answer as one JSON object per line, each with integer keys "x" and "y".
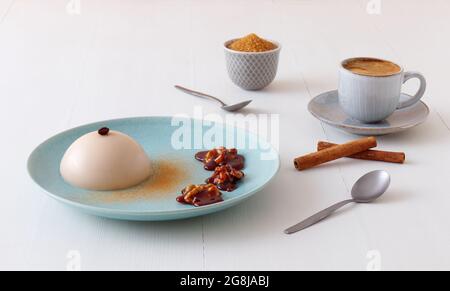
{"x": 372, "y": 67}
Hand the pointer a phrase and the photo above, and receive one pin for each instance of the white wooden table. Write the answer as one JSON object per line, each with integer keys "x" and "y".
{"x": 62, "y": 66}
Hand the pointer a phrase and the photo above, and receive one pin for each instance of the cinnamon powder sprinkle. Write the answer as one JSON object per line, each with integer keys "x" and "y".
{"x": 252, "y": 43}
{"x": 168, "y": 177}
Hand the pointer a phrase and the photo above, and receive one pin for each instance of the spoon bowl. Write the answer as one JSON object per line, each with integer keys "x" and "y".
{"x": 236, "y": 107}
{"x": 229, "y": 108}
{"x": 371, "y": 186}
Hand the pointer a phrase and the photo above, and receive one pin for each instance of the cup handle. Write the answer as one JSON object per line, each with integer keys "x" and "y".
{"x": 420, "y": 92}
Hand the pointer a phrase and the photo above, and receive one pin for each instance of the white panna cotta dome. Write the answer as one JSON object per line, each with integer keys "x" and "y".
{"x": 105, "y": 160}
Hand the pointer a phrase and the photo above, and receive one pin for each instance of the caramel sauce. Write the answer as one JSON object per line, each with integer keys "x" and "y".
{"x": 227, "y": 186}
{"x": 202, "y": 198}
{"x": 237, "y": 162}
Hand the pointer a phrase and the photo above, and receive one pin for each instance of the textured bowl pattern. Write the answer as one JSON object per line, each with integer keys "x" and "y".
{"x": 252, "y": 71}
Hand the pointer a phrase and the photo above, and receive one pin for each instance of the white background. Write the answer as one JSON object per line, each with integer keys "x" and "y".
{"x": 61, "y": 68}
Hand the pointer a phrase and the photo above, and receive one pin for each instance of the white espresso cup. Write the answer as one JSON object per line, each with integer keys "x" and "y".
{"x": 372, "y": 97}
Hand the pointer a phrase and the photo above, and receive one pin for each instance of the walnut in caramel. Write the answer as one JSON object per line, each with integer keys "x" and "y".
{"x": 220, "y": 156}
{"x": 227, "y": 165}
{"x": 225, "y": 177}
{"x": 200, "y": 195}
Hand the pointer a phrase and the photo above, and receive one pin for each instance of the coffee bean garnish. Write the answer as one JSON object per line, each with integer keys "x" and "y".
{"x": 103, "y": 131}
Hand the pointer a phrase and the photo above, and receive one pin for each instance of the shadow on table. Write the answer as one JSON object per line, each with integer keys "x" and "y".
{"x": 298, "y": 86}
{"x": 285, "y": 86}
{"x": 391, "y": 197}
{"x": 431, "y": 132}
{"x": 174, "y": 226}
{"x": 250, "y": 110}
{"x": 421, "y": 135}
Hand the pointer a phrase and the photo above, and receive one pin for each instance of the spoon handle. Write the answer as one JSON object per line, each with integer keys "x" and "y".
{"x": 317, "y": 217}
{"x": 199, "y": 94}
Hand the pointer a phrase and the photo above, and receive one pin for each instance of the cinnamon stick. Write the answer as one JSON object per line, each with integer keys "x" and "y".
{"x": 334, "y": 153}
{"x": 370, "y": 155}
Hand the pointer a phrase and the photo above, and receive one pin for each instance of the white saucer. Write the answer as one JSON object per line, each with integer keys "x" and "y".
{"x": 326, "y": 108}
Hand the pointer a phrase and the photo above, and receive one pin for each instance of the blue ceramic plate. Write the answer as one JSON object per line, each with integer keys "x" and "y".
{"x": 174, "y": 169}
